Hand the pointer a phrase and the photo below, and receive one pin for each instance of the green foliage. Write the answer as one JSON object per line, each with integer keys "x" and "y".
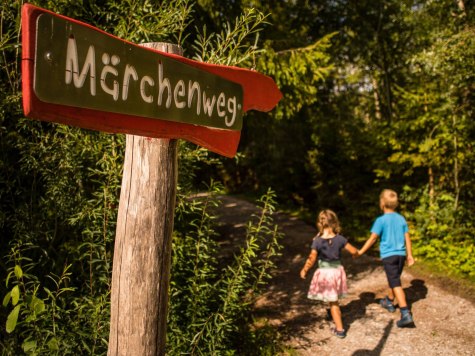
{"x": 147, "y": 21}
{"x": 74, "y": 177}
{"x": 59, "y": 194}
{"x": 298, "y": 72}
{"x": 211, "y": 300}
{"x": 433, "y": 138}
{"x": 279, "y": 144}
{"x": 392, "y": 107}
{"x": 231, "y": 46}
{"x": 441, "y": 119}
{"x": 443, "y": 236}
{"x": 38, "y": 320}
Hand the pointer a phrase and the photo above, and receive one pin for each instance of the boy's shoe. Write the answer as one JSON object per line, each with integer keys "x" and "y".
{"x": 340, "y": 334}
{"x": 405, "y": 321}
{"x": 387, "y": 304}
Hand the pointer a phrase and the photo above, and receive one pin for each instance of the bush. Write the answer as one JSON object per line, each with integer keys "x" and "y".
{"x": 444, "y": 235}
{"x": 211, "y": 302}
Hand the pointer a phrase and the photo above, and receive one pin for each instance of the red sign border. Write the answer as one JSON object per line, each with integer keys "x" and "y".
{"x": 260, "y": 93}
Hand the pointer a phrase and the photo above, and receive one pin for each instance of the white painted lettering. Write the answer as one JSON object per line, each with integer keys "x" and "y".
{"x": 232, "y": 110}
{"x": 179, "y": 91}
{"x": 148, "y": 80}
{"x": 162, "y": 84}
{"x": 194, "y": 87}
{"x": 221, "y": 103}
{"x": 72, "y": 67}
{"x": 129, "y": 72}
{"x": 208, "y": 104}
{"x": 209, "y": 107}
{"x": 108, "y": 69}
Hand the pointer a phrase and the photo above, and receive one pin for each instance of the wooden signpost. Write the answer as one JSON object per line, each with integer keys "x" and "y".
{"x": 78, "y": 75}
{"x": 140, "y": 282}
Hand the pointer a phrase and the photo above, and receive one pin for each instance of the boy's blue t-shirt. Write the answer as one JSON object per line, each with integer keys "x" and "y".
{"x": 391, "y": 228}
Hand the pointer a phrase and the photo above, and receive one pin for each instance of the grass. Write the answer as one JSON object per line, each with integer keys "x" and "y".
{"x": 448, "y": 280}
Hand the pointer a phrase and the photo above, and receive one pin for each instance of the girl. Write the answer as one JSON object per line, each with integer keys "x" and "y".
{"x": 329, "y": 281}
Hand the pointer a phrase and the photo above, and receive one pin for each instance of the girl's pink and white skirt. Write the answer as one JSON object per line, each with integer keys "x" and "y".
{"x": 328, "y": 284}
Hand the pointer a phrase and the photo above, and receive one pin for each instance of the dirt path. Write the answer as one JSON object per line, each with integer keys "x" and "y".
{"x": 445, "y": 323}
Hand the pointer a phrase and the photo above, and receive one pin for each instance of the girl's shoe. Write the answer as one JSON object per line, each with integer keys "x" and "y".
{"x": 387, "y": 304}
{"x": 339, "y": 333}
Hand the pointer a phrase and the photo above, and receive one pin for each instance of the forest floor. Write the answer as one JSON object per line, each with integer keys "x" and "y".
{"x": 444, "y": 315}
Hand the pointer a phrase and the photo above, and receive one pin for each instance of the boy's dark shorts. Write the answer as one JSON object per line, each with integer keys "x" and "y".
{"x": 393, "y": 266}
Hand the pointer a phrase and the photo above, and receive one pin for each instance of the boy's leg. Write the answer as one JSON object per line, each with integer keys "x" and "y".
{"x": 393, "y": 266}
{"x": 406, "y": 316}
{"x": 398, "y": 292}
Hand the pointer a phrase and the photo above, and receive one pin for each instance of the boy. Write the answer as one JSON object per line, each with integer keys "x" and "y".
{"x": 395, "y": 248}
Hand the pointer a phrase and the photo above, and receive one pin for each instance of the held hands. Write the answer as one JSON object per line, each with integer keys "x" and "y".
{"x": 357, "y": 254}
{"x": 303, "y": 274}
{"x": 352, "y": 250}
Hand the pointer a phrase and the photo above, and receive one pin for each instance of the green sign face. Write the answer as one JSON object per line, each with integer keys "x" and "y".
{"x": 78, "y": 66}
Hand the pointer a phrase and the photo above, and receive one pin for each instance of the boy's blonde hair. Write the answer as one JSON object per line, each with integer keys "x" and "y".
{"x": 328, "y": 218}
{"x": 389, "y": 199}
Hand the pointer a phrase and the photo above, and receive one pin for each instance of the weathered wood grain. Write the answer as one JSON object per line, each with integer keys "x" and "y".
{"x": 141, "y": 265}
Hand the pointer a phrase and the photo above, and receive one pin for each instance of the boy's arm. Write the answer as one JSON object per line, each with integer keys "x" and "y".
{"x": 351, "y": 249}
{"x": 410, "y": 258}
{"x": 370, "y": 242}
{"x": 309, "y": 263}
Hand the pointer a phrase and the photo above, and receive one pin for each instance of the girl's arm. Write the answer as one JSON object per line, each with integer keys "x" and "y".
{"x": 370, "y": 242}
{"x": 351, "y": 249}
{"x": 309, "y": 263}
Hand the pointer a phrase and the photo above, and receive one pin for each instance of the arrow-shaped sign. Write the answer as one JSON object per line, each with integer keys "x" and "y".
{"x": 78, "y": 75}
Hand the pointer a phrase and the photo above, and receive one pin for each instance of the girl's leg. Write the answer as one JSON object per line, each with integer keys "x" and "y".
{"x": 336, "y": 315}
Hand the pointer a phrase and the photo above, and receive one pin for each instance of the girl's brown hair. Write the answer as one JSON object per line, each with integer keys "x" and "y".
{"x": 327, "y": 218}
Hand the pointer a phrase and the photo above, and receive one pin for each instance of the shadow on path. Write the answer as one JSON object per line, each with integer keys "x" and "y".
{"x": 380, "y": 346}
{"x": 416, "y": 292}
{"x": 356, "y": 309}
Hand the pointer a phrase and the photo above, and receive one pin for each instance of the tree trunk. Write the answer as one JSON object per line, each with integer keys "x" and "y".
{"x": 431, "y": 187}
{"x": 456, "y": 165}
{"x": 141, "y": 265}
{"x": 461, "y": 6}
{"x": 377, "y": 103}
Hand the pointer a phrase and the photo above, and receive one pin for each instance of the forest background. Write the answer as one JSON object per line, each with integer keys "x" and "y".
{"x": 376, "y": 95}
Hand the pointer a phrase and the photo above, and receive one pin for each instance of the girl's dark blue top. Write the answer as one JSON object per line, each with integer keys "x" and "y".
{"x": 329, "y": 249}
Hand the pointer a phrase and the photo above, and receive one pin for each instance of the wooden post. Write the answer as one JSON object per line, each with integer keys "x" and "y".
{"x": 142, "y": 255}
